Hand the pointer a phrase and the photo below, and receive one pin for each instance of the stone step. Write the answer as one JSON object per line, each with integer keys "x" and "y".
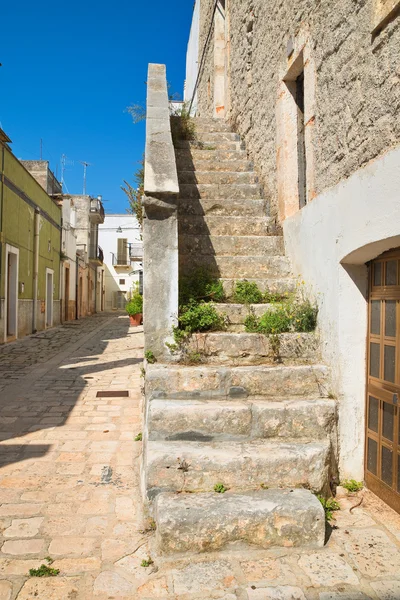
{"x": 245, "y": 191}
{"x": 216, "y": 224}
{"x": 198, "y": 467}
{"x": 229, "y": 245}
{"x": 208, "y": 144}
{"x": 212, "y": 156}
{"x": 226, "y": 348}
{"x": 225, "y": 207}
{"x": 241, "y": 420}
{"x": 186, "y": 162}
{"x": 211, "y": 125}
{"x": 216, "y": 177}
{"x": 238, "y": 313}
{"x": 287, "y": 285}
{"x": 240, "y": 267}
{"x": 208, "y": 522}
{"x": 176, "y": 381}
{"x": 208, "y": 137}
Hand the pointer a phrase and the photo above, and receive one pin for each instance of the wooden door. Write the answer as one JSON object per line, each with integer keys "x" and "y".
{"x": 382, "y": 453}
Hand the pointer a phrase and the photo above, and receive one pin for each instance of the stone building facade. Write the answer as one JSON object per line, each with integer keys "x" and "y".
{"x": 314, "y": 91}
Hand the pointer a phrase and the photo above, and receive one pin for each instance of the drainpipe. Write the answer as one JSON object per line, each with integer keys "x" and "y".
{"x": 95, "y": 290}
{"x": 36, "y": 267}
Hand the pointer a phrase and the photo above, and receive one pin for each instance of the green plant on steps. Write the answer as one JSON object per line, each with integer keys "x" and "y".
{"x": 286, "y": 317}
{"x": 329, "y": 505}
{"x": 200, "y": 285}
{"x": 139, "y": 437}
{"x": 247, "y": 292}
{"x": 200, "y": 316}
{"x": 182, "y": 125}
{"x": 220, "y": 488}
{"x": 352, "y": 485}
{"x": 147, "y": 563}
{"x": 149, "y": 356}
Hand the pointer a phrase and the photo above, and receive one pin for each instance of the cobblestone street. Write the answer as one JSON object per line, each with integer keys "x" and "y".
{"x": 69, "y": 491}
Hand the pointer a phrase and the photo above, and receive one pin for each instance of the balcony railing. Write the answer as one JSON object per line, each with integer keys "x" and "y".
{"x": 96, "y": 254}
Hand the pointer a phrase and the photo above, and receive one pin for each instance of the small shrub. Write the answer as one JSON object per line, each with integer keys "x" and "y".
{"x": 44, "y": 571}
{"x": 147, "y": 563}
{"x": 139, "y": 437}
{"x": 149, "y": 356}
{"x": 247, "y": 292}
{"x": 220, "y": 488}
{"x": 135, "y": 305}
{"x": 286, "y": 317}
{"x": 194, "y": 358}
{"x": 305, "y": 316}
{"x": 275, "y": 321}
{"x": 329, "y": 505}
{"x": 200, "y": 317}
{"x": 352, "y": 485}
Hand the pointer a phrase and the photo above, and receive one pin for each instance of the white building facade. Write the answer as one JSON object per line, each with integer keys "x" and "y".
{"x": 120, "y": 238}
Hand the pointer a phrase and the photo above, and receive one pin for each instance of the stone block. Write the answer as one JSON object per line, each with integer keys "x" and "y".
{"x": 197, "y": 467}
{"x": 208, "y": 522}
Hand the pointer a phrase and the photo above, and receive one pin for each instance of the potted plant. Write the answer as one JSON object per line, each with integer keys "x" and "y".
{"x": 134, "y": 308}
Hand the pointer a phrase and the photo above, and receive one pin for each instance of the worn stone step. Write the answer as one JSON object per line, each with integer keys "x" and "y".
{"x": 230, "y": 245}
{"x": 241, "y": 267}
{"x": 216, "y": 224}
{"x": 245, "y": 191}
{"x": 211, "y": 125}
{"x": 176, "y": 381}
{"x": 266, "y": 518}
{"x": 198, "y": 467}
{"x": 218, "y": 420}
{"x": 216, "y": 136}
{"x": 226, "y": 348}
{"x": 226, "y": 207}
{"x": 187, "y": 162}
{"x": 208, "y": 144}
{"x": 214, "y": 155}
{"x": 217, "y": 177}
{"x": 287, "y": 285}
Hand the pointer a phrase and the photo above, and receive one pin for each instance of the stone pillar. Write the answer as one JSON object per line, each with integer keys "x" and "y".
{"x": 160, "y": 224}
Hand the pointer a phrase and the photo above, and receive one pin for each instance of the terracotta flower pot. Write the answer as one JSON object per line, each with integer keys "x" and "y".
{"x": 136, "y": 319}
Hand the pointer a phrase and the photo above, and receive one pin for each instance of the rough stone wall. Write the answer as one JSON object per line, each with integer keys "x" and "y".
{"x": 206, "y": 83}
{"x": 357, "y": 81}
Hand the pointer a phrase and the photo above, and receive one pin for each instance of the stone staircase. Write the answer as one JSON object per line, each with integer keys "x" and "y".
{"x": 262, "y": 428}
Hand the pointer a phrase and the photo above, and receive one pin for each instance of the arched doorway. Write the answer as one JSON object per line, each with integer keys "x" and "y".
{"x": 382, "y": 452}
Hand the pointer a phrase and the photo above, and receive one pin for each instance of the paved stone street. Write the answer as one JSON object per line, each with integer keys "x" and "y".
{"x": 69, "y": 490}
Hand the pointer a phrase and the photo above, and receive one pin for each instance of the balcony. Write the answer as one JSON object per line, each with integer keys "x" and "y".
{"x": 96, "y": 210}
{"x": 96, "y": 255}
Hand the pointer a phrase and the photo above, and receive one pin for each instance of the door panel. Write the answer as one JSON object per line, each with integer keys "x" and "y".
{"x": 382, "y": 462}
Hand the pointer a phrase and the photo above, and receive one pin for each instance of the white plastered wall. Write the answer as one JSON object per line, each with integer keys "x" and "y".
{"x": 329, "y": 241}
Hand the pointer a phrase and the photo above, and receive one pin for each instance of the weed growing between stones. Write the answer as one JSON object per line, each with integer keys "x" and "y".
{"x": 139, "y": 437}
{"x": 352, "y": 485}
{"x": 44, "y": 570}
{"x": 149, "y": 356}
{"x": 200, "y": 286}
{"x": 263, "y": 486}
{"x": 329, "y": 505}
{"x": 248, "y": 292}
{"x": 147, "y": 563}
{"x": 220, "y": 488}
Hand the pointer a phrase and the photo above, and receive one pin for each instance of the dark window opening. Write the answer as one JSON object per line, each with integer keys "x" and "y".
{"x": 301, "y": 142}
{"x": 122, "y": 282}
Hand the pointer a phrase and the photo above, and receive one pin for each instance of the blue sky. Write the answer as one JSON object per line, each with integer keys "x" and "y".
{"x": 69, "y": 71}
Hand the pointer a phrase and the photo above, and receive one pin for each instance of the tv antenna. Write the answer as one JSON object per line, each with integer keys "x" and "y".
{"x": 64, "y": 163}
{"x": 85, "y": 166}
